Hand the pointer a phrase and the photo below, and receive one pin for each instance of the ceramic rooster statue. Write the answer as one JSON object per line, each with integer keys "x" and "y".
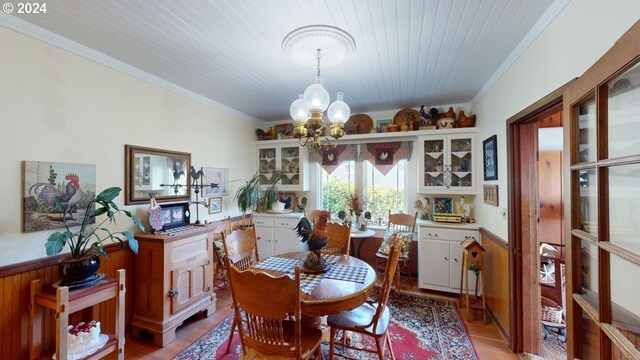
{"x": 316, "y": 237}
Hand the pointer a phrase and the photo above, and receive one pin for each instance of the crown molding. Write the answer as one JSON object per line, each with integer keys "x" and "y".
{"x": 26, "y": 28}
{"x": 540, "y": 26}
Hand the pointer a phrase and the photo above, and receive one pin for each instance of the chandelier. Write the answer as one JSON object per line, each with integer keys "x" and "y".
{"x": 307, "y": 111}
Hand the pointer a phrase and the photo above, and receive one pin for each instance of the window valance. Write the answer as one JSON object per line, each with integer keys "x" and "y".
{"x": 330, "y": 158}
{"x": 384, "y": 156}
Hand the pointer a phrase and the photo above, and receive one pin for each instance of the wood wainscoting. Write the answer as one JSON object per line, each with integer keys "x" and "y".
{"x": 496, "y": 277}
{"x": 15, "y": 281}
{"x": 14, "y": 299}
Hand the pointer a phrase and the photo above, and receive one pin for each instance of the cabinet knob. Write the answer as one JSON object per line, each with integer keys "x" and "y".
{"x": 456, "y": 260}
{"x": 207, "y": 289}
{"x": 173, "y": 292}
{"x": 446, "y": 259}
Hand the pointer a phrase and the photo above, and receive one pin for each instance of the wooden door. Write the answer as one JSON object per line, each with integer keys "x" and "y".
{"x": 190, "y": 283}
{"x": 603, "y": 197}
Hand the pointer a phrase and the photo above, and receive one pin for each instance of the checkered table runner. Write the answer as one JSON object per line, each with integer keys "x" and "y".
{"x": 278, "y": 264}
{"x": 347, "y": 273}
{"x": 308, "y": 282}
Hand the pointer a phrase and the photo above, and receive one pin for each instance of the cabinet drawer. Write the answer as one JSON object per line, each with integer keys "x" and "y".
{"x": 263, "y": 221}
{"x": 286, "y": 223}
{"x": 447, "y": 234}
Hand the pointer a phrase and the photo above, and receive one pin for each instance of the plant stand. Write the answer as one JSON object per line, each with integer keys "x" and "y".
{"x": 64, "y": 302}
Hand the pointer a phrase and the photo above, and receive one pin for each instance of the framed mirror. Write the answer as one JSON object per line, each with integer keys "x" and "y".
{"x": 162, "y": 173}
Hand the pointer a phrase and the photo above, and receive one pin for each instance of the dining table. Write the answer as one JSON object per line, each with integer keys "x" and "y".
{"x": 329, "y": 295}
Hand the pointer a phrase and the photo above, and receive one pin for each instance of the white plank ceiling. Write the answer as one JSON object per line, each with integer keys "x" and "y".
{"x": 407, "y": 52}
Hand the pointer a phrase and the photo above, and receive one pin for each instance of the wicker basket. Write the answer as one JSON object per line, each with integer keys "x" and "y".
{"x": 551, "y": 311}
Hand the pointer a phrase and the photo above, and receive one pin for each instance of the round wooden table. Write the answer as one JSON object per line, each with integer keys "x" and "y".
{"x": 332, "y": 296}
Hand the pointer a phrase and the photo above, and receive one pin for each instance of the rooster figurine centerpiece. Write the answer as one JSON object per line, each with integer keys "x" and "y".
{"x": 316, "y": 236}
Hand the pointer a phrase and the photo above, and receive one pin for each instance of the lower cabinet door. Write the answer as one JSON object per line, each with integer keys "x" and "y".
{"x": 188, "y": 284}
{"x": 435, "y": 270}
{"x": 286, "y": 241}
{"x": 265, "y": 241}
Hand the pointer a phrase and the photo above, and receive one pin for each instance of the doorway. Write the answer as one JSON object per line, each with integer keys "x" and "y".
{"x": 535, "y": 218}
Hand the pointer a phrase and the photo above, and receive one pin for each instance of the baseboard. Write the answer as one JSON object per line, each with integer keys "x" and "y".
{"x": 503, "y": 331}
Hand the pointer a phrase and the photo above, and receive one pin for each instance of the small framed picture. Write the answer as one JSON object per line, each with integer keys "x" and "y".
{"x": 491, "y": 194}
{"x": 442, "y": 205}
{"x": 381, "y": 125}
{"x": 289, "y": 199}
{"x": 215, "y": 205}
{"x": 174, "y": 215}
{"x": 490, "y": 158}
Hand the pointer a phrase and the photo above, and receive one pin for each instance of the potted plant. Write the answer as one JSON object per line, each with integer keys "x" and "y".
{"x": 87, "y": 244}
{"x": 271, "y": 194}
{"x": 248, "y": 195}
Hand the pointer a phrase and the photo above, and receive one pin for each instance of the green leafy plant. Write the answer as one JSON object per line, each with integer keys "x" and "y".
{"x": 89, "y": 240}
{"x": 271, "y": 194}
{"x": 248, "y": 195}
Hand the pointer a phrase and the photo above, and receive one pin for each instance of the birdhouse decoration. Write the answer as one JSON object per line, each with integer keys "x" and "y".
{"x": 472, "y": 253}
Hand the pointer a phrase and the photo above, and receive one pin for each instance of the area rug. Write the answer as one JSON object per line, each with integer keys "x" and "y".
{"x": 422, "y": 328}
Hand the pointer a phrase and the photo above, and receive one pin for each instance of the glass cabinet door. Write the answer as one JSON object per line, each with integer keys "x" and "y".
{"x": 433, "y": 168}
{"x": 461, "y": 162}
{"x": 290, "y": 165}
{"x": 586, "y": 123}
{"x": 267, "y": 164}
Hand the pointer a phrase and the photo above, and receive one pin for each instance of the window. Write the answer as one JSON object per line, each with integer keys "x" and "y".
{"x": 337, "y": 186}
{"x": 384, "y": 192}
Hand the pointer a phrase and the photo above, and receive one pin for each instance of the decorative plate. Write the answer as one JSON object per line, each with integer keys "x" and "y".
{"x": 285, "y": 211}
{"x": 358, "y": 124}
{"x": 401, "y": 117}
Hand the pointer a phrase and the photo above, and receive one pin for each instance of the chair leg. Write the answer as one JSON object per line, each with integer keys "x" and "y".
{"x": 409, "y": 273}
{"x": 393, "y": 357}
{"x": 233, "y": 329}
{"x": 332, "y": 342}
{"x": 380, "y": 348}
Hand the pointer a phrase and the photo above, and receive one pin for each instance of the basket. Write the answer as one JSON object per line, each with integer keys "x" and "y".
{"x": 451, "y": 218}
{"x": 551, "y": 311}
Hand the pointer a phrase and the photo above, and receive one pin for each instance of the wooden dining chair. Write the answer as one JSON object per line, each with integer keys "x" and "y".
{"x": 241, "y": 249}
{"x": 274, "y": 327}
{"x": 220, "y": 227}
{"x": 314, "y": 215}
{"x": 339, "y": 239}
{"x": 370, "y": 318}
{"x": 399, "y": 223}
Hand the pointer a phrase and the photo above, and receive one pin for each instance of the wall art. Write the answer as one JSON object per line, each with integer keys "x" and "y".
{"x": 218, "y": 178}
{"x": 74, "y": 184}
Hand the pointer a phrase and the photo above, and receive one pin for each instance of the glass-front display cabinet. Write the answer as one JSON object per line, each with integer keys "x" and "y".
{"x": 291, "y": 159}
{"x": 447, "y": 163}
{"x": 604, "y": 137}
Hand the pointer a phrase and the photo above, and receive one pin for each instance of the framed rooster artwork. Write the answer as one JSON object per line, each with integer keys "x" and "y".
{"x": 74, "y": 184}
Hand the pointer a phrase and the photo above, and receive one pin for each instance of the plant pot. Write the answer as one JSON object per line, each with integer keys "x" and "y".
{"x": 74, "y": 271}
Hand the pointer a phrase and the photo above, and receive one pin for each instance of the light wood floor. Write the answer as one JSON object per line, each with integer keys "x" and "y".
{"x": 486, "y": 338}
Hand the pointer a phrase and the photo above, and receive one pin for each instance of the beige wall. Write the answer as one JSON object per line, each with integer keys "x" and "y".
{"x": 579, "y": 36}
{"x": 57, "y": 106}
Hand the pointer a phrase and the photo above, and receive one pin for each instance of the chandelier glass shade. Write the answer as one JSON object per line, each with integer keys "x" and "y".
{"x": 308, "y": 110}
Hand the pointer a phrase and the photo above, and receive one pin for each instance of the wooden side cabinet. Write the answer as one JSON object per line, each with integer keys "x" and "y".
{"x": 174, "y": 280}
{"x": 64, "y": 302}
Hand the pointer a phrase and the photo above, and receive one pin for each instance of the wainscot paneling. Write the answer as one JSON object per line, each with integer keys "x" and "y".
{"x": 14, "y": 299}
{"x": 496, "y": 277}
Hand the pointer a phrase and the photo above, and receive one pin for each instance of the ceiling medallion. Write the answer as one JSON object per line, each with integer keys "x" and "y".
{"x": 307, "y": 46}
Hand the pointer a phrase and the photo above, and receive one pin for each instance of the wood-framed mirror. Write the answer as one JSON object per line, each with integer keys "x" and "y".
{"x": 149, "y": 171}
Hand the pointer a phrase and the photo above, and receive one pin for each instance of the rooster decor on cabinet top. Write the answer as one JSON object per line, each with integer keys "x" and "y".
{"x": 74, "y": 184}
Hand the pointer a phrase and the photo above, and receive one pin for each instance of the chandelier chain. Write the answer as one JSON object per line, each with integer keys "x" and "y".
{"x": 318, "y": 57}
